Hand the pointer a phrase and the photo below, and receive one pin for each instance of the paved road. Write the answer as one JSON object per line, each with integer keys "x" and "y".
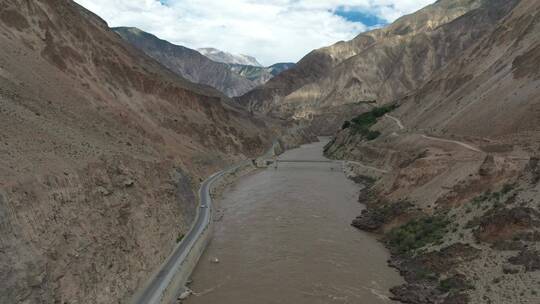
{"x": 153, "y": 292}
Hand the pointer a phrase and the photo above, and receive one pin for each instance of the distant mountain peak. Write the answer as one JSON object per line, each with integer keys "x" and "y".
{"x": 187, "y": 63}
{"x": 225, "y": 57}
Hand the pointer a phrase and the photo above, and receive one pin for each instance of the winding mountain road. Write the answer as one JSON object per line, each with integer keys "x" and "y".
{"x": 460, "y": 143}
{"x": 397, "y": 121}
{"x": 457, "y": 142}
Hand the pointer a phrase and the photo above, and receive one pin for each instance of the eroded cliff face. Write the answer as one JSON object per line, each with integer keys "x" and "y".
{"x": 102, "y": 153}
{"x": 455, "y": 198}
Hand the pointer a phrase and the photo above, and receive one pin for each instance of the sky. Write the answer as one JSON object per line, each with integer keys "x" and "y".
{"x": 270, "y": 30}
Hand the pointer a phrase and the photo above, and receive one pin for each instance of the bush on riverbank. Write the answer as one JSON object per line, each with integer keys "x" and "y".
{"x": 416, "y": 234}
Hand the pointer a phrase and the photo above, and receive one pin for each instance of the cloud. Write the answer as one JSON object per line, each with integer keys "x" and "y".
{"x": 271, "y": 30}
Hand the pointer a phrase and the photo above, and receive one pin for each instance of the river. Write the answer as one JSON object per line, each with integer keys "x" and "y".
{"x": 284, "y": 236}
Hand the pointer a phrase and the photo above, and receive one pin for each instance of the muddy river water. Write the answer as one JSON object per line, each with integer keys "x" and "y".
{"x": 284, "y": 236}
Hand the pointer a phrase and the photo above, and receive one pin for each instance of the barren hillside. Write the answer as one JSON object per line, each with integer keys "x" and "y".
{"x": 378, "y": 65}
{"x": 457, "y": 203}
{"x": 188, "y": 63}
{"x": 102, "y": 149}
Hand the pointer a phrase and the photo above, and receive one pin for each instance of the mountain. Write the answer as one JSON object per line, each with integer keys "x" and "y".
{"x": 437, "y": 116}
{"x": 224, "y": 57}
{"x": 188, "y": 63}
{"x": 102, "y": 152}
{"x": 231, "y": 78}
{"x": 453, "y": 146}
{"x": 377, "y": 65}
{"x": 260, "y": 75}
{"x": 281, "y": 67}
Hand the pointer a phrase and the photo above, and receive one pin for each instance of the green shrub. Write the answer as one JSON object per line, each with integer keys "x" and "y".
{"x": 362, "y": 123}
{"x": 446, "y": 285}
{"x": 346, "y": 125}
{"x": 417, "y": 233}
{"x": 365, "y": 120}
{"x": 455, "y": 283}
{"x": 371, "y": 135}
{"x": 507, "y": 188}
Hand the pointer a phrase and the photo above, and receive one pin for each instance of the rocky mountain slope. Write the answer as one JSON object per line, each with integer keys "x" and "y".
{"x": 379, "y": 65}
{"x": 189, "y": 63}
{"x": 228, "y": 58}
{"x": 261, "y": 75}
{"x": 455, "y": 196}
{"x": 102, "y": 152}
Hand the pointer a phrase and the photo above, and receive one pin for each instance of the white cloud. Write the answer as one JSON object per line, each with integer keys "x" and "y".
{"x": 271, "y": 30}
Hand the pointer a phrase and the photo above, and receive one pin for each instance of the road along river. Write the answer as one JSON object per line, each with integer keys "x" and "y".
{"x": 284, "y": 236}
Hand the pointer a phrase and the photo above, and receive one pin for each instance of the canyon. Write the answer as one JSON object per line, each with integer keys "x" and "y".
{"x": 439, "y": 114}
{"x": 106, "y": 135}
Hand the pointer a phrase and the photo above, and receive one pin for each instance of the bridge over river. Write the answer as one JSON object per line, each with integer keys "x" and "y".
{"x": 276, "y": 161}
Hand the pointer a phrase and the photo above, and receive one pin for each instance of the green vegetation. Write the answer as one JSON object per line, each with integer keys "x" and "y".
{"x": 446, "y": 285}
{"x": 424, "y": 274}
{"x": 493, "y": 197}
{"x": 372, "y": 135}
{"x": 479, "y": 200}
{"x": 454, "y": 284}
{"x": 507, "y": 188}
{"x": 417, "y": 233}
{"x": 180, "y": 237}
{"x": 346, "y": 125}
{"x": 362, "y": 123}
{"x": 366, "y": 101}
